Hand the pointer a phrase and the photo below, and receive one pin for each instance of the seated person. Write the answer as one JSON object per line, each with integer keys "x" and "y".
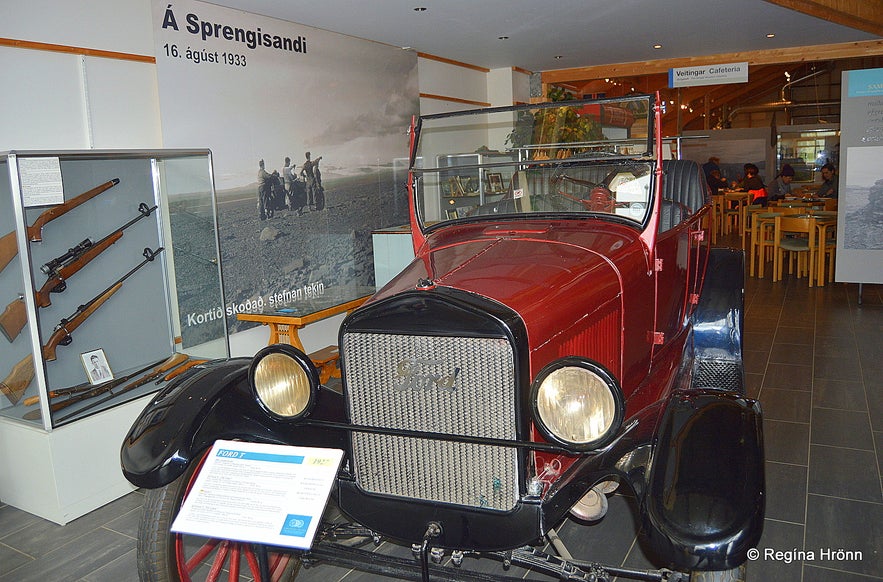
{"x": 715, "y": 182}
{"x": 781, "y": 186}
{"x": 754, "y": 184}
{"x": 828, "y": 189}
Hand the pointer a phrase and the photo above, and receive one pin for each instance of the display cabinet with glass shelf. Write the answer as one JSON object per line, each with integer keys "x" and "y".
{"x": 105, "y": 256}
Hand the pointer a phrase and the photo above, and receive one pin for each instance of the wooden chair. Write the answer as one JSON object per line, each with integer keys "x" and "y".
{"x": 830, "y": 204}
{"x": 762, "y": 247}
{"x": 748, "y": 212}
{"x": 795, "y": 236}
{"x": 827, "y": 249}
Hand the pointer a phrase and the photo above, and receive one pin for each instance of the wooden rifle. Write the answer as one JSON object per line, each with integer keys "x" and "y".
{"x": 14, "y": 318}
{"x": 8, "y": 246}
{"x": 22, "y": 374}
{"x": 83, "y": 395}
{"x": 174, "y": 363}
{"x": 62, "y": 333}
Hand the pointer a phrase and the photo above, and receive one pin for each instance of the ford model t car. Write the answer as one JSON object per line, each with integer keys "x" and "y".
{"x": 564, "y": 331}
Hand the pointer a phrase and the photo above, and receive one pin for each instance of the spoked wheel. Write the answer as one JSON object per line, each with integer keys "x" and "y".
{"x": 164, "y": 556}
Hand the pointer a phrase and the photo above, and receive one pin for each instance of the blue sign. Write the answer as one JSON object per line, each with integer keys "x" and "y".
{"x": 865, "y": 83}
{"x": 252, "y": 456}
{"x": 296, "y": 525}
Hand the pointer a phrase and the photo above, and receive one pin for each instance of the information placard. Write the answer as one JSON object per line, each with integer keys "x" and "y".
{"x": 261, "y": 493}
{"x": 40, "y": 181}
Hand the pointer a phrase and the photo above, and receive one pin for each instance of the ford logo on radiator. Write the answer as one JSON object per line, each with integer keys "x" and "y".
{"x": 416, "y": 374}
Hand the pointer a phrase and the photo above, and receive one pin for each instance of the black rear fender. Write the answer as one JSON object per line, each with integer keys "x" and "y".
{"x": 704, "y": 504}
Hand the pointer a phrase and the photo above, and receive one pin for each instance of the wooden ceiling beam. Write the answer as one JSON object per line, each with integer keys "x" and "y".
{"x": 862, "y": 15}
{"x": 766, "y": 57}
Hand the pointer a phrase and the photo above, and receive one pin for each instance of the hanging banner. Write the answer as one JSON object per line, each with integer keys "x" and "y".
{"x": 860, "y": 204}
{"x": 304, "y": 127}
{"x": 708, "y": 75}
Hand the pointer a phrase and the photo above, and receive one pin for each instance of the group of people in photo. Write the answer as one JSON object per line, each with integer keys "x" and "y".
{"x": 290, "y": 190}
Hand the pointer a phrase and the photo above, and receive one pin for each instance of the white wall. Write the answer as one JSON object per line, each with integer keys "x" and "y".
{"x": 57, "y": 100}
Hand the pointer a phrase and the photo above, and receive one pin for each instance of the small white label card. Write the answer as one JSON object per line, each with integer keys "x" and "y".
{"x": 261, "y": 493}
{"x": 40, "y": 181}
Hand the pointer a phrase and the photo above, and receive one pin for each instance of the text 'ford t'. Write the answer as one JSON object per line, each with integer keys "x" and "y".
{"x": 564, "y": 331}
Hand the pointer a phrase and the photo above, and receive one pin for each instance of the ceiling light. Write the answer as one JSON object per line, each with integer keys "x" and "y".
{"x": 558, "y": 57}
{"x": 421, "y": 9}
{"x": 787, "y": 75}
{"x": 657, "y": 46}
{"x": 607, "y": 80}
{"x": 770, "y": 35}
{"x": 502, "y": 38}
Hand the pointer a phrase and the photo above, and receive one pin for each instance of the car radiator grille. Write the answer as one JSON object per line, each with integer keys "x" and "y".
{"x": 447, "y": 385}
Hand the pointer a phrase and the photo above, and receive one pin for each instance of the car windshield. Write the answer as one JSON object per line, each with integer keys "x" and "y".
{"x": 570, "y": 157}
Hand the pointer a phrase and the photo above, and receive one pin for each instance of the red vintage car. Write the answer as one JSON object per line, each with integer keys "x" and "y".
{"x": 563, "y": 331}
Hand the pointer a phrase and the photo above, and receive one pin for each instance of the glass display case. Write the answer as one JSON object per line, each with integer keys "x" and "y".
{"x": 109, "y": 269}
{"x": 110, "y": 286}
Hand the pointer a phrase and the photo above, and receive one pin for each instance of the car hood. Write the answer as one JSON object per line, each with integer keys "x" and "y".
{"x": 551, "y": 276}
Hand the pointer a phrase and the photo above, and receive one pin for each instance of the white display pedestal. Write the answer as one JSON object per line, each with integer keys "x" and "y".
{"x": 393, "y": 251}
{"x": 65, "y": 473}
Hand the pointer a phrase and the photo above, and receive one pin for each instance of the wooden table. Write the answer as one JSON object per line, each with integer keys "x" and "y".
{"x": 759, "y": 222}
{"x": 286, "y": 320}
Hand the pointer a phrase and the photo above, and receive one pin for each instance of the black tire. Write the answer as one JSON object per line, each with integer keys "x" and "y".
{"x": 320, "y": 198}
{"x": 734, "y": 575}
{"x": 161, "y": 553}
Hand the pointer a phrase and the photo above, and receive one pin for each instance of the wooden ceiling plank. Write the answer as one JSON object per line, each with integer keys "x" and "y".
{"x": 765, "y": 57}
{"x": 858, "y": 14}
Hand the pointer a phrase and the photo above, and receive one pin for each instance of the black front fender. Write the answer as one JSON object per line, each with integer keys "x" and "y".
{"x": 704, "y": 505}
{"x": 163, "y": 439}
{"x": 215, "y": 402}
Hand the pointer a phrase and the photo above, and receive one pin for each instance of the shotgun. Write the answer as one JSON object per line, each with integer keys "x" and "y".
{"x": 8, "y": 247}
{"x": 175, "y": 361}
{"x": 59, "y": 269}
{"x": 61, "y": 335}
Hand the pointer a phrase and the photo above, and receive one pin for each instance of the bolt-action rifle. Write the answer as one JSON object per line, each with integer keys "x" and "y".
{"x": 8, "y": 246}
{"x": 62, "y": 333}
{"x": 59, "y": 269}
{"x": 22, "y": 373}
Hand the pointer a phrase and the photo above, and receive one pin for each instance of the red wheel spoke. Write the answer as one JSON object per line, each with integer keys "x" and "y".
{"x": 278, "y": 562}
{"x": 235, "y": 554}
{"x": 253, "y": 564}
{"x": 200, "y": 554}
{"x": 218, "y": 563}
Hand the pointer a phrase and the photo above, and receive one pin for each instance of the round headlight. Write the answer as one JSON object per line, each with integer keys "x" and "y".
{"x": 578, "y": 403}
{"x": 284, "y": 382}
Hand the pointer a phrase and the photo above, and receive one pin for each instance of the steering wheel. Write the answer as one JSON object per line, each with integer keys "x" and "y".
{"x": 600, "y": 200}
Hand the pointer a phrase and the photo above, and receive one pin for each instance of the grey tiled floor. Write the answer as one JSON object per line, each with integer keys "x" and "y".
{"x": 814, "y": 358}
